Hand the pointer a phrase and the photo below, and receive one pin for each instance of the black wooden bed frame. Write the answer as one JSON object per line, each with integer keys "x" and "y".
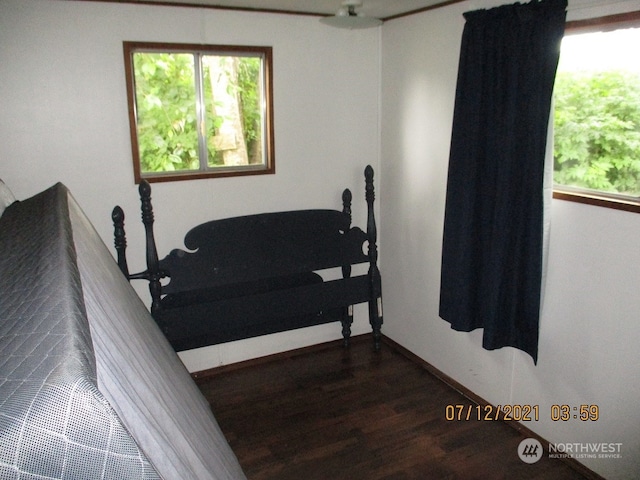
{"x": 254, "y": 275}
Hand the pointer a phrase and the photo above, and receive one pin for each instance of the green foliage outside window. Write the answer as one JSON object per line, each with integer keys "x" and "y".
{"x": 597, "y": 131}
{"x": 167, "y": 119}
{"x": 597, "y": 111}
{"x": 166, "y": 112}
{"x": 250, "y": 104}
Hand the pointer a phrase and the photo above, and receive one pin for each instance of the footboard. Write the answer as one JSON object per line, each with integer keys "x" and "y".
{"x": 253, "y": 275}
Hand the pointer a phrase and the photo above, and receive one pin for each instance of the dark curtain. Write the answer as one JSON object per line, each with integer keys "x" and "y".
{"x": 493, "y": 228}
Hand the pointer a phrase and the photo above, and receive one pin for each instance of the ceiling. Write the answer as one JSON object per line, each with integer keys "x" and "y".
{"x": 374, "y": 8}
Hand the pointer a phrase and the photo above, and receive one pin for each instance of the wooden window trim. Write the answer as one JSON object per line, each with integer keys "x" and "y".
{"x": 597, "y": 199}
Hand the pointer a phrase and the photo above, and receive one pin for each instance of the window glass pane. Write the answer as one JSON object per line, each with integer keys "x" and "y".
{"x": 166, "y": 112}
{"x": 233, "y": 106}
{"x": 597, "y": 112}
{"x": 252, "y": 100}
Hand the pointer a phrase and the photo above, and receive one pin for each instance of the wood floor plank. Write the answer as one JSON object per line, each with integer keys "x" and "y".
{"x": 332, "y": 414}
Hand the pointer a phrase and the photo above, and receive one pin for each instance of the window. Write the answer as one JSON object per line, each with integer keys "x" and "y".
{"x": 199, "y": 110}
{"x": 597, "y": 113}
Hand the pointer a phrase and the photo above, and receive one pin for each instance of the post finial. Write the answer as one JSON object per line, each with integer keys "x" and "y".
{"x": 120, "y": 239}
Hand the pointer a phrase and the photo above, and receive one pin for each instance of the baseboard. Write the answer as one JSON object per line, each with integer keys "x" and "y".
{"x": 574, "y": 464}
{"x": 204, "y": 375}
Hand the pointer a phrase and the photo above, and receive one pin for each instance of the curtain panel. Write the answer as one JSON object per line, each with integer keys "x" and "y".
{"x": 493, "y": 227}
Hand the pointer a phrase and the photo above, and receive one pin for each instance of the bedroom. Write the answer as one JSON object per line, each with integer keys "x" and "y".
{"x": 342, "y": 99}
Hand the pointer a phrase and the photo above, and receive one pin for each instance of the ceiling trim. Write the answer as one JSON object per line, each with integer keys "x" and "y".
{"x": 161, "y": 3}
{"x": 423, "y": 9}
{"x": 168, "y": 3}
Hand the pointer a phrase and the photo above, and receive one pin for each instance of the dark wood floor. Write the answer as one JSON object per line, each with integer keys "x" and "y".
{"x": 328, "y": 414}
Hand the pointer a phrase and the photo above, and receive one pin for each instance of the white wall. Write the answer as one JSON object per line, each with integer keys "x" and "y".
{"x": 589, "y": 326}
{"x": 64, "y": 118}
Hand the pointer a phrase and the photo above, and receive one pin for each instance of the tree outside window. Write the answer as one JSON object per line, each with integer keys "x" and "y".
{"x": 597, "y": 114}
{"x": 199, "y": 111}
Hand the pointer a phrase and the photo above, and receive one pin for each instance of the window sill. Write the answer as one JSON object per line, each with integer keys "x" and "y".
{"x": 196, "y": 174}
{"x": 628, "y": 204}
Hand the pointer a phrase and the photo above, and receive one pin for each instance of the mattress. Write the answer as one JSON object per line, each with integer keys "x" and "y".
{"x": 89, "y": 386}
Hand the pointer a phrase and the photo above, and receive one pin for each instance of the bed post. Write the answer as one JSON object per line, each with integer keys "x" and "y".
{"x": 375, "y": 284}
{"x": 347, "y": 313}
{"x": 153, "y": 273}
{"x": 120, "y": 239}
